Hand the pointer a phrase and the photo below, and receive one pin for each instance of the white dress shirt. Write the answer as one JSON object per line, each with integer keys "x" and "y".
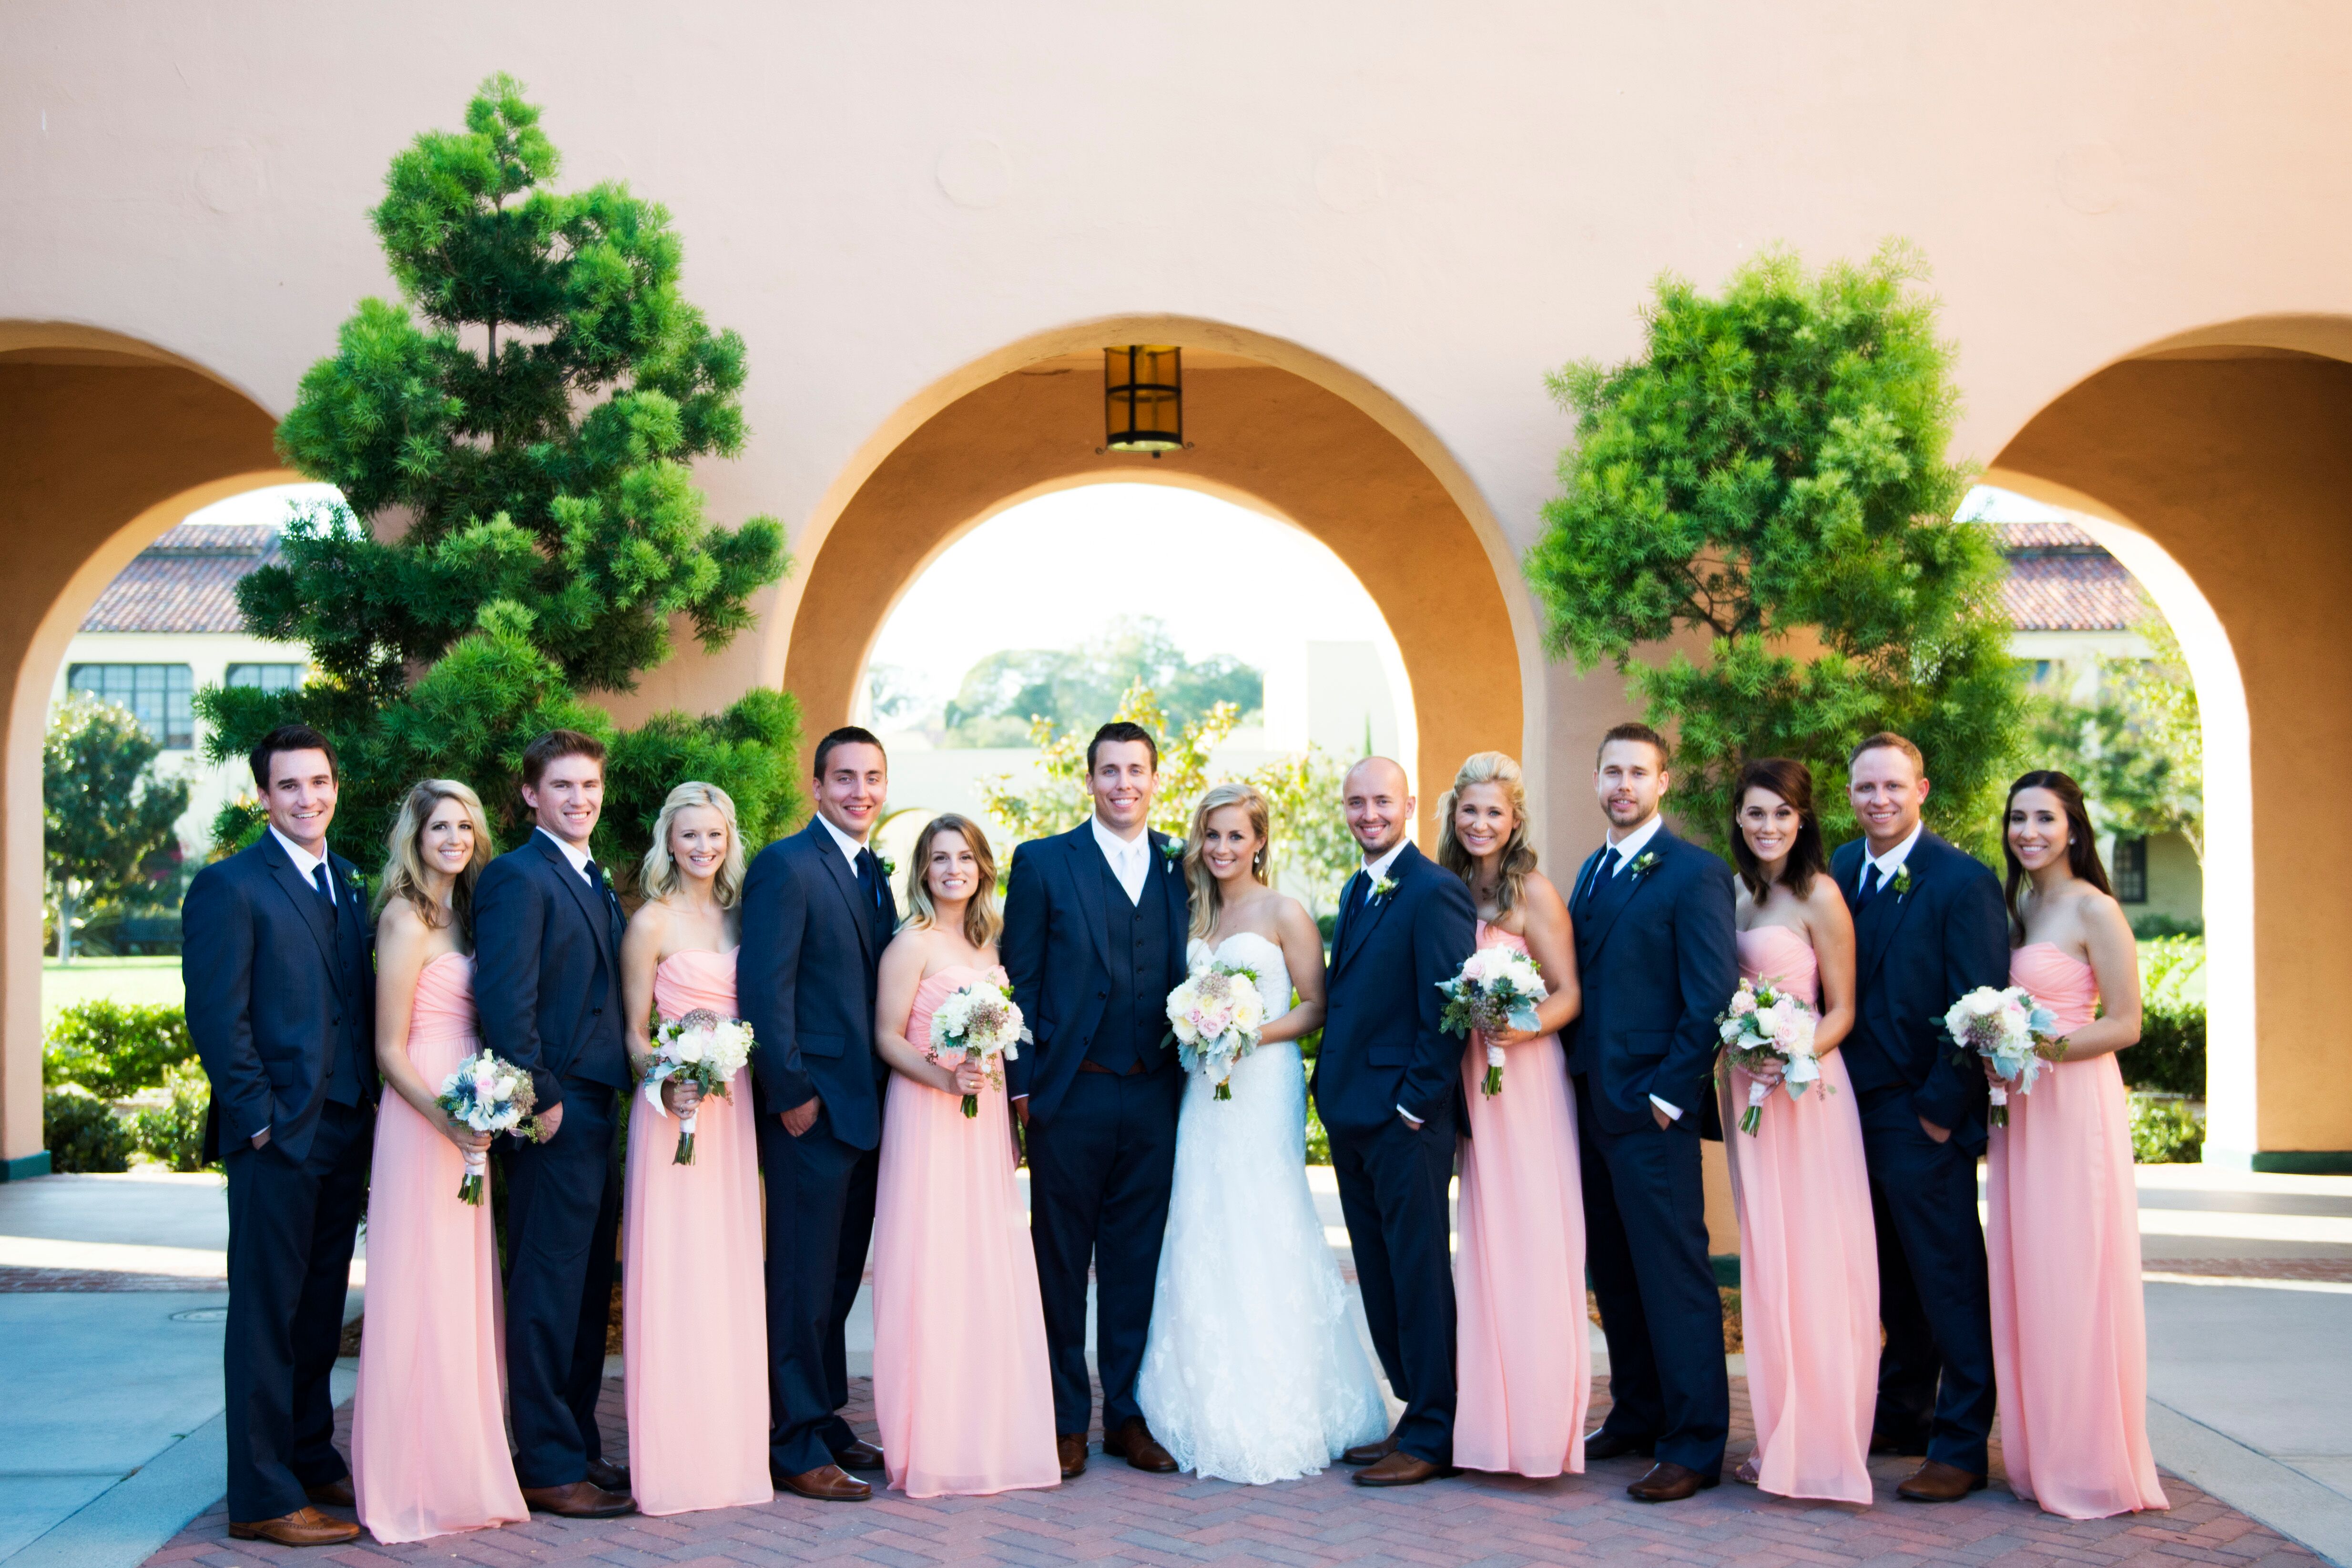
{"x": 573, "y": 853}
{"x": 1629, "y": 849}
{"x": 1892, "y": 861}
{"x": 850, "y": 848}
{"x": 1130, "y": 858}
{"x": 305, "y": 863}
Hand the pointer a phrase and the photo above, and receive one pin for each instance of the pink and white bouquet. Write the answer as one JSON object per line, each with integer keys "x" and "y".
{"x": 1495, "y": 989}
{"x": 981, "y": 1021}
{"x": 1765, "y": 1029}
{"x": 2012, "y": 1031}
{"x": 490, "y": 1094}
{"x": 1216, "y": 1014}
{"x": 703, "y": 1049}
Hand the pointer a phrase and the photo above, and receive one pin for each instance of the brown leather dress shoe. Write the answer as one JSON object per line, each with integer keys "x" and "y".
{"x": 1607, "y": 1445}
{"x": 303, "y": 1527}
{"x": 1134, "y": 1443}
{"x": 1936, "y": 1482}
{"x": 580, "y": 1500}
{"x": 859, "y": 1456}
{"x": 1070, "y": 1448}
{"x": 611, "y": 1477}
{"x": 1402, "y": 1469}
{"x": 1370, "y": 1453}
{"x": 334, "y": 1494}
{"x": 1669, "y": 1482}
{"x": 826, "y": 1483}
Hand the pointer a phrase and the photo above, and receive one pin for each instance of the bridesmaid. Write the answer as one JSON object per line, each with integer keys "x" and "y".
{"x": 1523, "y": 1382}
{"x": 693, "y": 1302}
{"x": 429, "y": 1420}
{"x": 1808, "y": 1249}
{"x": 2062, "y": 1235}
{"x": 961, "y": 1391}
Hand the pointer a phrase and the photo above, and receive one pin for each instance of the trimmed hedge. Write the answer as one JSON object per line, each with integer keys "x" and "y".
{"x": 2170, "y": 1055}
{"x": 114, "y": 1050}
{"x": 83, "y": 1133}
{"x": 2165, "y": 1131}
{"x": 174, "y": 1133}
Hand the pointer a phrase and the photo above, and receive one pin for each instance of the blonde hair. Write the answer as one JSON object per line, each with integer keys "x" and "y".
{"x": 980, "y": 921}
{"x": 1198, "y": 878}
{"x": 658, "y": 876}
{"x": 405, "y": 875}
{"x": 1518, "y": 858}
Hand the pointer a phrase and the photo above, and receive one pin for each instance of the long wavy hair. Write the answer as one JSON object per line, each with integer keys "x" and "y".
{"x": 1807, "y": 858}
{"x": 1518, "y": 856}
{"x": 982, "y": 920}
{"x": 1198, "y": 878}
{"x": 405, "y": 875}
{"x": 658, "y": 876}
{"x": 2082, "y": 843}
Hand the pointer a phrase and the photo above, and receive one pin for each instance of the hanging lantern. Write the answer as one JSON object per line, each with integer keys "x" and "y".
{"x": 1143, "y": 399}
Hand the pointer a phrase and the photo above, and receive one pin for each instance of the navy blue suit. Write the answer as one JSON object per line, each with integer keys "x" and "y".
{"x": 281, "y": 1007}
{"x": 1918, "y": 950}
{"x": 814, "y": 932}
{"x": 1383, "y": 1049}
{"x": 547, "y": 988}
{"x": 1655, "y": 951}
{"x": 1091, "y": 973}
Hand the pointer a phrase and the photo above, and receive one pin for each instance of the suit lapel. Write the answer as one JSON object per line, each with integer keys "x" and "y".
{"x": 862, "y": 911}
{"x": 306, "y": 901}
{"x": 592, "y": 908}
{"x": 1622, "y": 889}
{"x": 1359, "y": 931}
{"x": 1876, "y": 928}
{"x": 1087, "y": 865}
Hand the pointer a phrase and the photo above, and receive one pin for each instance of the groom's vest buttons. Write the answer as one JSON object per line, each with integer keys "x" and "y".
{"x": 1135, "y": 1004}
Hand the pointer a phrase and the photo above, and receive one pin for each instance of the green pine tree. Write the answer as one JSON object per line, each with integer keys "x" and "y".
{"x": 513, "y": 441}
{"x": 1772, "y": 473}
{"x": 104, "y": 810}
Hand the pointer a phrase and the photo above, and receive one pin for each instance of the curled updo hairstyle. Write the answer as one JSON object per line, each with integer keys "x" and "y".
{"x": 1518, "y": 856}
{"x": 2082, "y": 843}
{"x": 405, "y": 875}
{"x": 658, "y": 876}
{"x": 981, "y": 922}
{"x": 1201, "y": 882}
{"x": 1793, "y": 781}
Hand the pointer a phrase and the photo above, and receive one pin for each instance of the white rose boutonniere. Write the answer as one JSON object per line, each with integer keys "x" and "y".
{"x": 1382, "y": 887}
{"x": 890, "y": 867}
{"x": 1902, "y": 882}
{"x": 1643, "y": 864}
{"x": 1173, "y": 853}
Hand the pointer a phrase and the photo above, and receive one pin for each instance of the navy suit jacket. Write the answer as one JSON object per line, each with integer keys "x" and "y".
{"x": 1917, "y": 953}
{"x": 1658, "y": 961}
{"x": 804, "y": 982}
{"x": 547, "y": 970}
{"x": 267, "y": 1005}
{"x": 1383, "y": 1047}
{"x": 1056, "y": 952}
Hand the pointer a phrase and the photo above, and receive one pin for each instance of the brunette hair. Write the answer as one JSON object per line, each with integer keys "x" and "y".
{"x": 1202, "y": 882}
{"x": 981, "y": 922}
{"x": 2082, "y": 843}
{"x": 405, "y": 871}
{"x": 848, "y": 735}
{"x": 1633, "y": 730}
{"x": 1518, "y": 856}
{"x": 658, "y": 876}
{"x": 1793, "y": 781}
{"x": 1120, "y": 730}
{"x": 291, "y": 738}
{"x": 1888, "y": 741}
{"x": 555, "y": 745}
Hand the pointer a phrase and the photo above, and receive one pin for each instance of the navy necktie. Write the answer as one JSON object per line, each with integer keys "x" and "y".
{"x": 1869, "y": 887}
{"x": 326, "y": 890}
{"x": 869, "y": 875}
{"x": 1602, "y": 870}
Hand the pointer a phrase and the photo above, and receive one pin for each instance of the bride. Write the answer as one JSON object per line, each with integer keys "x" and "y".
{"x": 1252, "y": 1371}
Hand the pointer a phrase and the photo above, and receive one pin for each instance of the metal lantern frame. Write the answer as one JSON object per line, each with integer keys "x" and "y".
{"x": 1143, "y": 398}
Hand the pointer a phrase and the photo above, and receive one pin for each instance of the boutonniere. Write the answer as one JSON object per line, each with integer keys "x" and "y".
{"x": 1382, "y": 887}
{"x": 1902, "y": 882}
{"x": 1171, "y": 851}
{"x": 1643, "y": 864}
{"x": 890, "y": 867}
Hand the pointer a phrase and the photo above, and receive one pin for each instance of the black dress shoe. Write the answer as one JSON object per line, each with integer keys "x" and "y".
{"x": 1669, "y": 1482}
{"x": 860, "y": 1456}
{"x": 1607, "y": 1445}
{"x": 1883, "y": 1442}
{"x": 611, "y": 1477}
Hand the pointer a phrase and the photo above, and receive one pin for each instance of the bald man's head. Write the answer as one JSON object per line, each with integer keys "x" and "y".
{"x": 1378, "y": 806}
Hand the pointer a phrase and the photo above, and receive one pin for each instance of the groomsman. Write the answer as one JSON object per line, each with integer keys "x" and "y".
{"x": 1654, "y": 947}
{"x": 547, "y": 943}
{"x": 1928, "y": 928}
{"x": 817, "y": 912}
{"x": 1096, "y": 922}
{"x": 1388, "y": 1083}
{"x": 281, "y": 1004}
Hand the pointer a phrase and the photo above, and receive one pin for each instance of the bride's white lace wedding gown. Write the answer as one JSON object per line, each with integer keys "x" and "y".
{"x": 1253, "y": 1370}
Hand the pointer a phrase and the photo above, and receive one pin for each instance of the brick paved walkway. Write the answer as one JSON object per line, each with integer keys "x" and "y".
{"x": 1115, "y": 1515}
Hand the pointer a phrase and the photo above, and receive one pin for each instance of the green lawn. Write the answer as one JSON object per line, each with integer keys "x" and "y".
{"x": 150, "y": 979}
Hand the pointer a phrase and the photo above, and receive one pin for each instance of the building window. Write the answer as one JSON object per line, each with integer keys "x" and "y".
{"x": 265, "y": 677}
{"x": 2130, "y": 871}
{"x": 161, "y": 697}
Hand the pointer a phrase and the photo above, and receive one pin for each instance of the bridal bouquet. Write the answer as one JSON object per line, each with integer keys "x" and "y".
{"x": 1765, "y": 1027}
{"x": 1496, "y": 989}
{"x": 488, "y": 1095}
{"x": 978, "y": 1021}
{"x": 1216, "y": 1013}
{"x": 703, "y": 1049}
{"x": 2009, "y": 1029}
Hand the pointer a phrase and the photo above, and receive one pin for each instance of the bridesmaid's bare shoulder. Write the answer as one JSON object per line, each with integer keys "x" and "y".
{"x": 1825, "y": 914}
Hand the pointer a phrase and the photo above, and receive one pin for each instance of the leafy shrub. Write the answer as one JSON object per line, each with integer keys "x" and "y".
{"x": 83, "y": 1133}
{"x": 2149, "y": 927}
{"x": 2170, "y": 1055}
{"x": 2165, "y": 1131}
{"x": 115, "y": 1050}
{"x": 174, "y": 1133}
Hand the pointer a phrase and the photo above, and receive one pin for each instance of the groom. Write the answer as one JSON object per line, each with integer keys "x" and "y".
{"x": 1095, "y": 926}
{"x": 1387, "y": 1083}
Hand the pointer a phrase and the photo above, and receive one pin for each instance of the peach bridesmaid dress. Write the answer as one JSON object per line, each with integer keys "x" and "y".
{"x": 1523, "y": 1371}
{"x": 1807, "y": 1260}
{"x": 2062, "y": 1237}
{"x": 428, "y": 1421}
{"x": 694, "y": 1328}
{"x": 961, "y": 1390}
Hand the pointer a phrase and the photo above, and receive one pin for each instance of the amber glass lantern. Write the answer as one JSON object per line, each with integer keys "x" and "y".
{"x": 1143, "y": 399}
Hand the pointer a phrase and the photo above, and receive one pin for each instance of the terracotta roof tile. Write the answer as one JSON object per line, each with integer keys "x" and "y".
{"x": 2061, "y": 581}
{"x": 184, "y": 582}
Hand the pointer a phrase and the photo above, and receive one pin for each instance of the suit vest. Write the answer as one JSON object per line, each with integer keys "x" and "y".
{"x": 347, "y": 1077}
{"x": 1135, "y": 1013}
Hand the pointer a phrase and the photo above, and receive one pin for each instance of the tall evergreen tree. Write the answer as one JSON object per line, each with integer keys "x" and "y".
{"x": 513, "y": 441}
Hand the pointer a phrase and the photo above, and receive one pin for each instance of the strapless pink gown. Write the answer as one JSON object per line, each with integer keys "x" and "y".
{"x": 1523, "y": 1373}
{"x": 1807, "y": 1260}
{"x": 694, "y": 1327}
{"x": 961, "y": 1390}
{"x": 2062, "y": 1238}
{"x": 428, "y": 1421}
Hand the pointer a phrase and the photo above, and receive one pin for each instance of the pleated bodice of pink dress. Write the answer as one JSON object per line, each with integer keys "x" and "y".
{"x": 2062, "y": 1238}
{"x": 1524, "y": 1374}
{"x": 1807, "y": 1260}
{"x": 694, "y": 1328}
{"x": 429, "y": 1420}
{"x": 961, "y": 1390}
